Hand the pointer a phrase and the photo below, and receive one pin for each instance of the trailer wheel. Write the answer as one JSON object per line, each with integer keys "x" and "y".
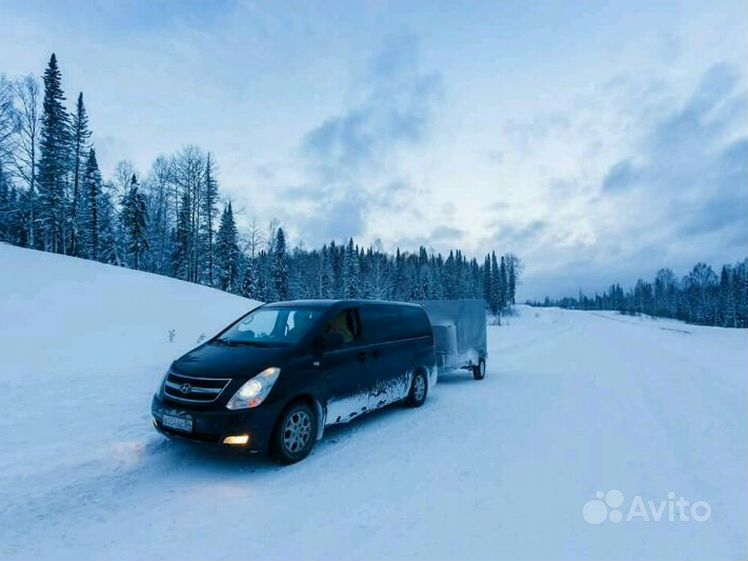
{"x": 479, "y": 371}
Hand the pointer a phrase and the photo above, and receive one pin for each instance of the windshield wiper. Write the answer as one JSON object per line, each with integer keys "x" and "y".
{"x": 221, "y": 341}
{"x": 233, "y": 343}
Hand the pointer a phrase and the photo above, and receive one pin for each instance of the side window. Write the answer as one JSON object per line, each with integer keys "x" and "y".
{"x": 347, "y": 324}
{"x": 299, "y": 322}
{"x": 382, "y": 323}
{"x": 415, "y": 321}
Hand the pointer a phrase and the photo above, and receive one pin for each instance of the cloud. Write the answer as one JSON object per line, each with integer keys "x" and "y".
{"x": 352, "y": 158}
{"x": 706, "y": 116}
{"x": 524, "y": 134}
{"x": 396, "y": 110}
{"x": 513, "y": 236}
{"x": 673, "y": 193}
{"x": 721, "y": 206}
{"x": 620, "y": 177}
{"x": 338, "y": 220}
{"x": 447, "y": 234}
{"x": 442, "y": 239}
{"x": 695, "y": 163}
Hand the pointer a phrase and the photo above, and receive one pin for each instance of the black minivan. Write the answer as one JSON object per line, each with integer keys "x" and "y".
{"x": 273, "y": 379}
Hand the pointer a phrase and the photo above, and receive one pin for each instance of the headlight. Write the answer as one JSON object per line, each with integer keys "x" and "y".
{"x": 254, "y": 391}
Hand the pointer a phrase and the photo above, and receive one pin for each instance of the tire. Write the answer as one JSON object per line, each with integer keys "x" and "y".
{"x": 295, "y": 434}
{"x": 419, "y": 389}
{"x": 479, "y": 371}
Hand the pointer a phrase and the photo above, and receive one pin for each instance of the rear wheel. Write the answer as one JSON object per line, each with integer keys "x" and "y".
{"x": 479, "y": 370}
{"x": 419, "y": 389}
{"x": 295, "y": 434}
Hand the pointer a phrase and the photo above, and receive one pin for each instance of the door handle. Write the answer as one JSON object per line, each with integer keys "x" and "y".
{"x": 362, "y": 356}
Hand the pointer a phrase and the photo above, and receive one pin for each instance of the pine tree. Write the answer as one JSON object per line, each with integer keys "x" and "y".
{"x": 266, "y": 290}
{"x": 477, "y": 280}
{"x": 740, "y": 285}
{"x": 302, "y": 274}
{"x": 350, "y": 275}
{"x": 503, "y": 282}
{"x": 280, "y": 266}
{"x": 81, "y": 136}
{"x": 10, "y": 211}
{"x": 54, "y": 161}
{"x": 494, "y": 302}
{"x": 248, "y": 287}
{"x": 487, "y": 280}
{"x": 108, "y": 240}
{"x": 326, "y": 278}
{"x": 183, "y": 238}
{"x": 227, "y": 252}
{"x": 134, "y": 221}
{"x": 399, "y": 279}
{"x": 88, "y": 221}
{"x": 449, "y": 277}
{"x": 512, "y": 280}
{"x": 728, "y": 317}
{"x": 209, "y": 213}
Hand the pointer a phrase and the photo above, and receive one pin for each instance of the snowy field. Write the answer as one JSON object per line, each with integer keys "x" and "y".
{"x": 573, "y": 403}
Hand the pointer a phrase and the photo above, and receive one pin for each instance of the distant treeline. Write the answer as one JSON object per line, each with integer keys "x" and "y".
{"x": 702, "y": 297}
{"x": 175, "y": 222}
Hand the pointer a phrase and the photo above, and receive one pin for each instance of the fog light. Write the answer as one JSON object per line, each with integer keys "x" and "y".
{"x": 238, "y": 440}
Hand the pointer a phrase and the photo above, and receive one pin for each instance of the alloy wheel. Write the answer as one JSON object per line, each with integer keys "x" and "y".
{"x": 297, "y": 430}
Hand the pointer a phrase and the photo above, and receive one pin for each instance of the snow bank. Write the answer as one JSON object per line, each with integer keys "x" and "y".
{"x": 83, "y": 346}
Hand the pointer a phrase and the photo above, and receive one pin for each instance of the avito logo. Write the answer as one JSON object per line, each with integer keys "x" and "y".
{"x": 608, "y": 506}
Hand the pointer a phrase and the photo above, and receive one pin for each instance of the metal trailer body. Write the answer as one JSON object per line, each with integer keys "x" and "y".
{"x": 459, "y": 333}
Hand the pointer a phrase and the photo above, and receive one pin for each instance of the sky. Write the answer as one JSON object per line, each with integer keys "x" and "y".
{"x": 598, "y": 141}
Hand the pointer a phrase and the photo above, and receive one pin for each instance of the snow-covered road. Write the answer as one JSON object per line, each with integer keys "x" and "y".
{"x": 573, "y": 403}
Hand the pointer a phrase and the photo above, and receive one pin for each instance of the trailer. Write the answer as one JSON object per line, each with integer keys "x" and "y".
{"x": 459, "y": 328}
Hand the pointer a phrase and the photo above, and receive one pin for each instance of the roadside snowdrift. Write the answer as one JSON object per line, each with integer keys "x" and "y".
{"x": 82, "y": 348}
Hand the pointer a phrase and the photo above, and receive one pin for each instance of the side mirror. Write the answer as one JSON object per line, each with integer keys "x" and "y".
{"x": 329, "y": 341}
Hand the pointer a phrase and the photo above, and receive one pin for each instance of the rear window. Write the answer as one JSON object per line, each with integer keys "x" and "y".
{"x": 383, "y": 322}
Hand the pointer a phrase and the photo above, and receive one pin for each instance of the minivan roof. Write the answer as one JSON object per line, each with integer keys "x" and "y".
{"x": 330, "y": 303}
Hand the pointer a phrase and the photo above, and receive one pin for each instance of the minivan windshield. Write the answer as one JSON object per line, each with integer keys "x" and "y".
{"x": 267, "y": 326}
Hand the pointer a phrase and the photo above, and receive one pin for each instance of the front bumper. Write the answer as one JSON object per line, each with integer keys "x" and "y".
{"x": 212, "y": 426}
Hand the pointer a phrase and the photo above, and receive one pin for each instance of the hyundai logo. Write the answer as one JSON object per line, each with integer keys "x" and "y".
{"x": 185, "y": 388}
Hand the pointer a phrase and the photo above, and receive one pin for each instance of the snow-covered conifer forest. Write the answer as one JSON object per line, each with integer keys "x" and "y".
{"x": 174, "y": 221}
{"x": 702, "y": 296}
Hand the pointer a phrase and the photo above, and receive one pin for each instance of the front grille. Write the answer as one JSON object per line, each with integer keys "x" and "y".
{"x": 194, "y": 390}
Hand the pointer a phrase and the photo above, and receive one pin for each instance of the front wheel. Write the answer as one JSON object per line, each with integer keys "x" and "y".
{"x": 419, "y": 389}
{"x": 479, "y": 370}
{"x": 295, "y": 434}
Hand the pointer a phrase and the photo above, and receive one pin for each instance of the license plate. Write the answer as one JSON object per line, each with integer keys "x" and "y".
{"x": 183, "y": 424}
